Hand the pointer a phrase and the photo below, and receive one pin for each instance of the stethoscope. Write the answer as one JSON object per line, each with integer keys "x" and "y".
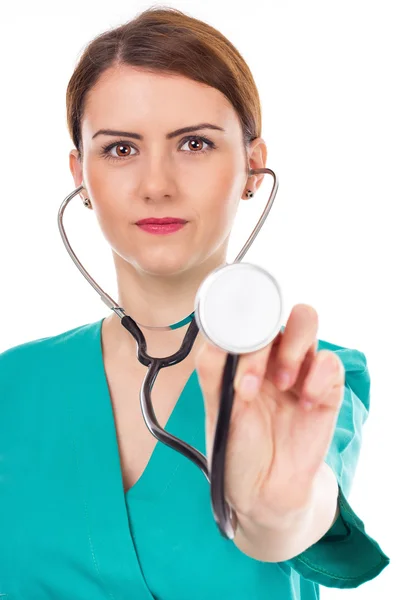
{"x": 238, "y": 307}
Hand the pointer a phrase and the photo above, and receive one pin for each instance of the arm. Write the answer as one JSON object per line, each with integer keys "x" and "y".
{"x": 346, "y": 556}
{"x": 343, "y": 555}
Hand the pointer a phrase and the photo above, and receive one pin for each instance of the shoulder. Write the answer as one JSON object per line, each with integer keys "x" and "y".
{"x": 34, "y": 376}
{"x": 36, "y": 357}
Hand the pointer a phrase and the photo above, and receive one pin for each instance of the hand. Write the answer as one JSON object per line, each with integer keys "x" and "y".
{"x": 278, "y": 437}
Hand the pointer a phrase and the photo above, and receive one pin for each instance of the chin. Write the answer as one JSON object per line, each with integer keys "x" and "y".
{"x": 164, "y": 264}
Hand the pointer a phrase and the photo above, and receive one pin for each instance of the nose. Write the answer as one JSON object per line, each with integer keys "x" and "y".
{"x": 157, "y": 178}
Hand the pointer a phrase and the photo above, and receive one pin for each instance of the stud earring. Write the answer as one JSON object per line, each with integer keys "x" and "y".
{"x": 249, "y": 194}
{"x": 87, "y": 203}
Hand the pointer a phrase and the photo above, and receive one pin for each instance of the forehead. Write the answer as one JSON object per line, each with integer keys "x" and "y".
{"x": 125, "y": 96}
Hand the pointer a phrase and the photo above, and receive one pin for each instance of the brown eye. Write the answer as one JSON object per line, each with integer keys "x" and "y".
{"x": 122, "y": 150}
{"x": 195, "y": 144}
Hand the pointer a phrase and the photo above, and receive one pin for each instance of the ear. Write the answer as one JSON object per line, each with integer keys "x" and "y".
{"x": 257, "y": 158}
{"x": 75, "y": 166}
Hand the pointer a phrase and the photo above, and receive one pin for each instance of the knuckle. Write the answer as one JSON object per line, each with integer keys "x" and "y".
{"x": 288, "y": 361}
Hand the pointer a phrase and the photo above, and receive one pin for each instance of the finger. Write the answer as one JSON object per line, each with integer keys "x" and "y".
{"x": 326, "y": 372}
{"x": 251, "y": 369}
{"x": 305, "y": 367}
{"x": 298, "y": 339}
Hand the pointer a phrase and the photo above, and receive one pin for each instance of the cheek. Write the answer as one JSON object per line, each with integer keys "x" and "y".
{"x": 110, "y": 213}
{"x": 111, "y": 218}
{"x": 218, "y": 217}
{"x": 221, "y": 204}
{"x": 105, "y": 183}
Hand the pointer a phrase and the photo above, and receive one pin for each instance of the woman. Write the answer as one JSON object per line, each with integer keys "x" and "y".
{"x": 166, "y": 121}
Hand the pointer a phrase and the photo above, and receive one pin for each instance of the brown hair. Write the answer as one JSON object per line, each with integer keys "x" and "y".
{"x": 167, "y": 40}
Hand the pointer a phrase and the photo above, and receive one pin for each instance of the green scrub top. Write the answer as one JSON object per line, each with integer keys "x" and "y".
{"x": 69, "y": 531}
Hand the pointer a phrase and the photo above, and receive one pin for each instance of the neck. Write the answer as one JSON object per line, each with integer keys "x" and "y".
{"x": 156, "y": 301}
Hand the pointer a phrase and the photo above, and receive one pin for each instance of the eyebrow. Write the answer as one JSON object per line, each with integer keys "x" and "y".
{"x": 168, "y": 135}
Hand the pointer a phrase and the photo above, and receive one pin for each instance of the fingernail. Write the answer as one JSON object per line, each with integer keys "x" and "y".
{"x": 283, "y": 380}
{"x": 249, "y": 384}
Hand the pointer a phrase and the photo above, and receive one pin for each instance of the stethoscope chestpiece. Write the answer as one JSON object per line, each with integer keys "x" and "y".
{"x": 239, "y": 307}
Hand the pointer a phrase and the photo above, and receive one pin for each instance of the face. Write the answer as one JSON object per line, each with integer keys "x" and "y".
{"x": 199, "y": 176}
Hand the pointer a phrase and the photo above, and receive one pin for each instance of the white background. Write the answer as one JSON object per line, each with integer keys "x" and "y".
{"x": 328, "y": 78}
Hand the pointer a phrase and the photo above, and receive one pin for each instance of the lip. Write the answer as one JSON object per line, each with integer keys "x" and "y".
{"x": 161, "y": 229}
{"x": 163, "y": 221}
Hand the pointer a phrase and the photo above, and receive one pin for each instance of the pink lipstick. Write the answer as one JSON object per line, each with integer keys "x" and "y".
{"x": 161, "y": 226}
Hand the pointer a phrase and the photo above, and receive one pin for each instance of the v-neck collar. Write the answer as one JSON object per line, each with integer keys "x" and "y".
{"x": 162, "y": 475}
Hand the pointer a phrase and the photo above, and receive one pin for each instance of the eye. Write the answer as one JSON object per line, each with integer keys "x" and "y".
{"x": 121, "y": 144}
{"x": 196, "y": 139}
{"x": 106, "y": 150}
